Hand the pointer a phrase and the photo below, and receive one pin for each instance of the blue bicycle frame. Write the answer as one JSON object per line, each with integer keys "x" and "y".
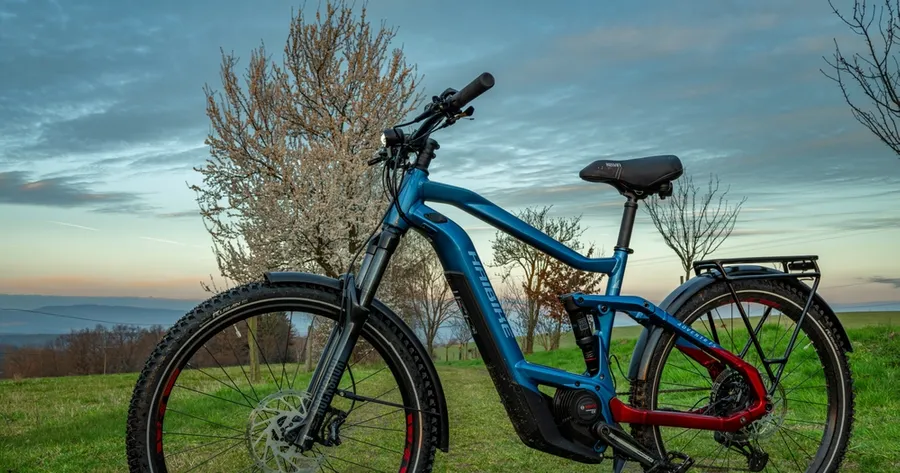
{"x": 516, "y": 379}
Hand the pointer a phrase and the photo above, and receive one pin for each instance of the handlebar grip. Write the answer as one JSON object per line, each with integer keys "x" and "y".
{"x": 480, "y": 85}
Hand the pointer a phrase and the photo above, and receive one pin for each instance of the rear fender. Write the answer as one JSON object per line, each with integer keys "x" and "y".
{"x": 650, "y": 337}
{"x": 334, "y": 284}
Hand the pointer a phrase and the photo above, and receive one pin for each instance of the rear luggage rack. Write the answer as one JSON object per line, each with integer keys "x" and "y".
{"x": 792, "y": 267}
{"x": 798, "y": 267}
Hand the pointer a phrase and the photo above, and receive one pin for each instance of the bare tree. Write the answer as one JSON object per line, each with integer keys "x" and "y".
{"x": 694, "y": 223}
{"x": 425, "y": 296}
{"x": 287, "y": 184}
{"x": 515, "y": 256}
{"x": 561, "y": 279}
{"x": 875, "y": 73}
{"x": 459, "y": 329}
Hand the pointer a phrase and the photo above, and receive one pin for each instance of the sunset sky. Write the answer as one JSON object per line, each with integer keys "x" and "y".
{"x": 102, "y": 118}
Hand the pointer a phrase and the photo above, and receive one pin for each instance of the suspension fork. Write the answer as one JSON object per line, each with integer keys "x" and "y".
{"x": 356, "y": 300}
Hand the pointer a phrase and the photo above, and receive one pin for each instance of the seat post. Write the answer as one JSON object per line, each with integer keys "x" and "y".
{"x": 628, "y": 217}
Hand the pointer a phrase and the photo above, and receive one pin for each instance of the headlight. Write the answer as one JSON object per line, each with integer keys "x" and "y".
{"x": 392, "y": 137}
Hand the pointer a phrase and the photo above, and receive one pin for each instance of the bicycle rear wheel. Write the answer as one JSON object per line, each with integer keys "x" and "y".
{"x": 198, "y": 405}
{"x": 810, "y": 425}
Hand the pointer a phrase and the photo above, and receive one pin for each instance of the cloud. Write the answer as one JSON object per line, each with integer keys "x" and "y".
{"x": 161, "y": 240}
{"x": 72, "y": 225}
{"x": 882, "y": 280}
{"x": 17, "y": 188}
{"x": 184, "y": 214}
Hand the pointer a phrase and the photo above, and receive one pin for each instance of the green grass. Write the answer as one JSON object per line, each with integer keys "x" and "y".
{"x": 76, "y": 424}
{"x": 848, "y": 319}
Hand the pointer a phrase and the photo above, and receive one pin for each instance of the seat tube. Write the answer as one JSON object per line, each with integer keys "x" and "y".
{"x": 614, "y": 286}
{"x": 622, "y": 250}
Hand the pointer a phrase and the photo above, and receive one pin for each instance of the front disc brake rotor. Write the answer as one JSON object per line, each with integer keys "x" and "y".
{"x": 265, "y": 434}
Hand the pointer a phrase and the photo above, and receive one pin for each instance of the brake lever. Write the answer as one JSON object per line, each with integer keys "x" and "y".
{"x": 380, "y": 156}
{"x": 467, "y": 113}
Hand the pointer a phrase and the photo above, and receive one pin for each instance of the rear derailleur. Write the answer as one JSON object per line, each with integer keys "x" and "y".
{"x": 756, "y": 458}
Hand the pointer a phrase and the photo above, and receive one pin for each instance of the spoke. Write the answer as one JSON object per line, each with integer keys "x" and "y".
{"x": 369, "y": 401}
{"x": 696, "y": 433}
{"x": 757, "y": 331}
{"x": 793, "y": 370}
{"x": 804, "y": 422}
{"x": 263, "y": 354}
{"x": 712, "y": 328}
{"x": 241, "y": 366}
{"x": 213, "y": 396}
{"x": 790, "y": 451}
{"x": 692, "y": 387}
{"x": 202, "y": 435}
{"x": 195, "y": 447}
{"x": 799, "y": 388}
{"x": 685, "y": 406}
{"x": 787, "y": 431}
{"x": 325, "y": 457}
{"x": 373, "y": 418}
{"x": 372, "y": 444}
{"x": 354, "y": 463}
{"x": 802, "y": 434}
{"x": 214, "y": 456}
{"x": 287, "y": 343}
{"x": 362, "y": 357}
{"x": 250, "y": 468}
{"x": 228, "y": 375}
{"x": 773, "y": 465}
{"x": 713, "y": 456}
{"x": 786, "y": 331}
{"x": 730, "y": 337}
{"x": 306, "y": 351}
{"x": 807, "y": 402}
{"x": 204, "y": 420}
{"x": 800, "y": 383}
{"x": 377, "y": 428}
{"x": 693, "y": 366}
{"x": 223, "y": 383}
{"x": 367, "y": 377}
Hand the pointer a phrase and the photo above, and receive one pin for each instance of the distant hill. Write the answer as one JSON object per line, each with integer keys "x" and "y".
{"x": 65, "y": 318}
{"x": 27, "y": 339}
{"x": 28, "y": 301}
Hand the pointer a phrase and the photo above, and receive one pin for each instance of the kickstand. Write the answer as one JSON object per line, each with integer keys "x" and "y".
{"x": 618, "y": 464}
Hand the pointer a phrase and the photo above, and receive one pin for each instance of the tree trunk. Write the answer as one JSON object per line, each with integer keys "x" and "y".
{"x": 251, "y": 344}
{"x": 555, "y": 335}
{"x": 309, "y": 346}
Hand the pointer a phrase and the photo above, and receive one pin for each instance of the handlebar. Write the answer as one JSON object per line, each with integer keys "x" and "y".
{"x": 470, "y": 92}
{"x": 450, "y": 106}
{"x": 447, "y": 106}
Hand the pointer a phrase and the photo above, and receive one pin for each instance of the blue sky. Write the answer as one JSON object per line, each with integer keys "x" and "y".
{"x": 102, "y": 118}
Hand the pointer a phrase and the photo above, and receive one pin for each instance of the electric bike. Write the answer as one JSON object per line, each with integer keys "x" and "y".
{"x": 742, "y": 367}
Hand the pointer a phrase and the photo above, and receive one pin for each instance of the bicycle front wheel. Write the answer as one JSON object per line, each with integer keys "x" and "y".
{"x": 810, "y": 424}
{"x": 221, "y": 386}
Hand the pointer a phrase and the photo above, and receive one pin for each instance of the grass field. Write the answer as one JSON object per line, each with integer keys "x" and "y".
{"x": 850, "y": 320}
{"x": 76, "y": 424}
